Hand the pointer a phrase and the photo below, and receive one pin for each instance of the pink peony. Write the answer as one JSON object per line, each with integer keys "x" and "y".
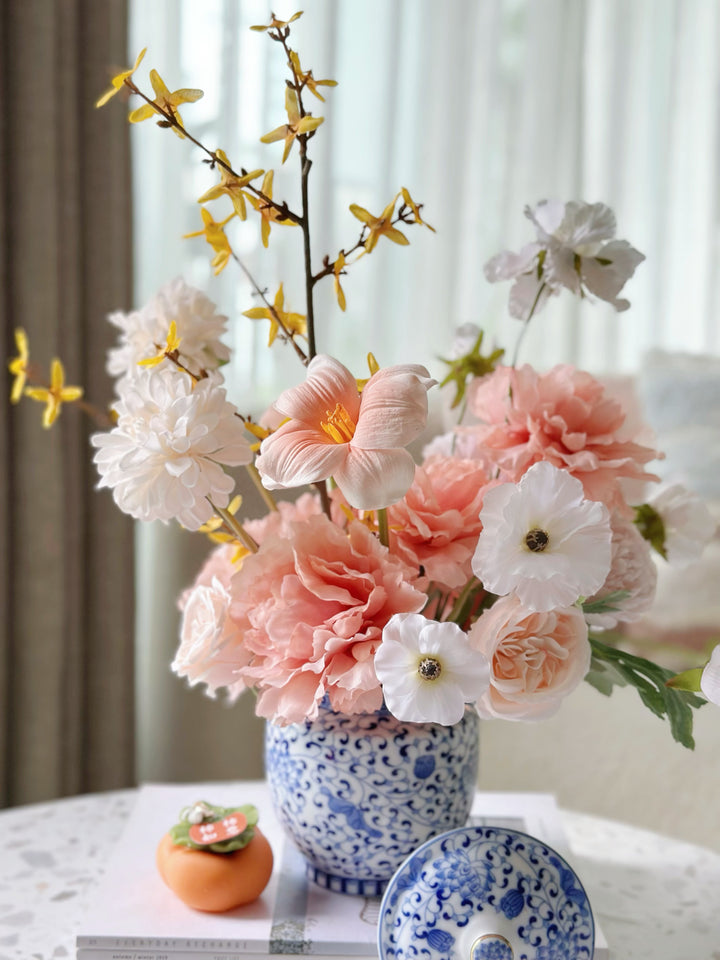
{"x": 311, "y": 615}
{"x": 536, "y": 659}
{"x": 358, "y": 439}
{"x": 564, "y": 417}
{"x": 210, "y": 651}
{"x": 219, "y": 564}
{"x": 437, "y": 524}
{"x": 632, "y": 571}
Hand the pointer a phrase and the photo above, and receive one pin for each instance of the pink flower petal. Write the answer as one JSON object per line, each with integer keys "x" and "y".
{"x": 372, "y": 479}
{"x": 328, "y": 383}
{"x": 393, "y": 408}
{"x": 293, "y": 456}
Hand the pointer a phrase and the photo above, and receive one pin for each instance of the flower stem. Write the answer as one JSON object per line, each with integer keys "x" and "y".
{"x": 276, "y": 316}
{"x": 526, "y": 324}
{"x": 265, "y": 494}
{"x": 236, "y": 528}
{"x": 383, "y": 529}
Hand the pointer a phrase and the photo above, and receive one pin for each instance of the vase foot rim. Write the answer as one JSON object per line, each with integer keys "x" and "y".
{"x": 349, "y": 885}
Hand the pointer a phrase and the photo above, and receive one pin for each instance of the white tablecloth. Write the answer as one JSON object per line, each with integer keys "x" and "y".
{"x": 655, "y": 898}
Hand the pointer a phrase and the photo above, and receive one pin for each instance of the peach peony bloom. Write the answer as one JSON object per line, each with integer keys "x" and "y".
{"x": 219, "y": 564}
{"x": 437, "y": 524}
{"x": 564, "y": 417}
{"x": 536, "y": 659}
{"x": 358, "y": 439}
{"x": 311, "y": 618}
{"x": 209, "y": 650}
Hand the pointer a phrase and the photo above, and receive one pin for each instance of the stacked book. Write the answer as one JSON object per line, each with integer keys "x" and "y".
{"x": 135, "y": 917}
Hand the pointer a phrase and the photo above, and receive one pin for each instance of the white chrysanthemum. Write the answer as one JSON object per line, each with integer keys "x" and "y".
{"x": 543, "y": 540}
{"x": 575, "y": 249}
{"x": 632, "y": 572}
{"x": 688, "y": 524}
{"x": 710, "y": 679}
{"x": 428, "y": 670}
{"x": 162, "y": 459}
{"x": 199, "y": 328}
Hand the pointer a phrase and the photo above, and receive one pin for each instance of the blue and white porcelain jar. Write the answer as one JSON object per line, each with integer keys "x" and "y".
{"x": 358, "y": 794}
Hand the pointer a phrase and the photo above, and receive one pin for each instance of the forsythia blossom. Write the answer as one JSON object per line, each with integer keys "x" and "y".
{"x": 163, "y": 458}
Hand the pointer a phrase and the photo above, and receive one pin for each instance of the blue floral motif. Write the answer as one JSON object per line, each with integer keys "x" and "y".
{"x": 358, "y": 794}
{"x": 475, "y": 883}
{"x": 512, "y": 904}
{"x": 440, "y": 940}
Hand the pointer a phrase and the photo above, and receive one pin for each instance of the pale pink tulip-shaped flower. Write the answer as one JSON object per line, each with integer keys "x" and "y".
{"x": 356, "y": 438}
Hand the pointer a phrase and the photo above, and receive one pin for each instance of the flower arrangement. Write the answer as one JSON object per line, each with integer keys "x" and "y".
{"x": 491, "y": 573}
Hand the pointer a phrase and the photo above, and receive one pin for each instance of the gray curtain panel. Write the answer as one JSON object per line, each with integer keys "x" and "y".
{"x": 66, "y": 559}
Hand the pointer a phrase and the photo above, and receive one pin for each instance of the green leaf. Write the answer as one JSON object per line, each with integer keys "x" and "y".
{"x": 611, "y": 666}
{"x": 651, "y": 526}
{"x": 607, "y": 604}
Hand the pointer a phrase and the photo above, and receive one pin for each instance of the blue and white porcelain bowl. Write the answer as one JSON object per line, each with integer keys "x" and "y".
{"x": 485, "y": 893}
{"x": 358, "y": 794}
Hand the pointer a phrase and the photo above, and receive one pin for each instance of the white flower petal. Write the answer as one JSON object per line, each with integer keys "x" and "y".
{"x": 710, "y": 681}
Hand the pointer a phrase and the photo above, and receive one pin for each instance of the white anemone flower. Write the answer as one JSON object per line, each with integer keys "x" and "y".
{"x": 688, "y": 525}
{"x": 199, "y": 328}
{"x": 575, "y": 249}
{"x": 163, "y": 457}
{"x": 543, "y": 540}
{"x": 428, "y": 670}
{"x": 710, "y": 680}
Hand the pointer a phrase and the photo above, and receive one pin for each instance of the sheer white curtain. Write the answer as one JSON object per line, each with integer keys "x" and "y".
{"x": 477, "y": 107}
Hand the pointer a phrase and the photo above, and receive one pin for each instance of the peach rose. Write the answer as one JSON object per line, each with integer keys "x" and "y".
{"x": 209, "y": 650}
{"x": 536, "y": 659}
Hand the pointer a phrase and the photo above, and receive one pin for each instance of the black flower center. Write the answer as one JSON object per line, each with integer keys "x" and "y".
{"x": 429, "y": 668}
{"x": 536, "y": 540}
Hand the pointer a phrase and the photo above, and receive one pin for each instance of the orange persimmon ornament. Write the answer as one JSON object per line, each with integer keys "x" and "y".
{"x": 215, "y": 858}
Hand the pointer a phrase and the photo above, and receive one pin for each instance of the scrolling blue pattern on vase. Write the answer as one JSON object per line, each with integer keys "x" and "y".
{"x": 358, "y": 794}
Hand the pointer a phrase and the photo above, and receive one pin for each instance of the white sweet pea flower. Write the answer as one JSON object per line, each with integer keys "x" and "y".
{"x": 199, "y": 329}
{"x": 687, "y": 523}
{"x": 575, "y": 248}
{"x": 428, "y": 670}
{"x": 163, "y": 457}
{"x": 710, "y": 680}
{"x": 543, "y": 540}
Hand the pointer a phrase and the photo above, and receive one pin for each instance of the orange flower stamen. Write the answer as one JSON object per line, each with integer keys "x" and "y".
{"x": 339, "y": 425}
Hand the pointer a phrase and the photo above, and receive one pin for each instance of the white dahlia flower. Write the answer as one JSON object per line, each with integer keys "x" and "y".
{"x": 631, "y": 581}
{"x": 199, "y": 328}
{"x": 162, "y": 459}
{"x": 543, "y": 540}
{"x": 710, "y": 680}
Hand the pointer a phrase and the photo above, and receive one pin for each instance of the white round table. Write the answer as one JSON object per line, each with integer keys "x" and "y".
{"x": 655, "y": 898}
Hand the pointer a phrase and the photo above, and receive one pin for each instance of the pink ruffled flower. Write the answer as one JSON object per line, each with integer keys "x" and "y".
{"x": 437, "y": 524}
{"x": 311, "y": 617}
{"x": 358, "y": 439}
{"x": 536, "y": 659}
{"x": 209, "y": 650}
{"x": 632, "y": 572}
{"x": 219, "y": 564}
{"x": 564, "y": 417}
